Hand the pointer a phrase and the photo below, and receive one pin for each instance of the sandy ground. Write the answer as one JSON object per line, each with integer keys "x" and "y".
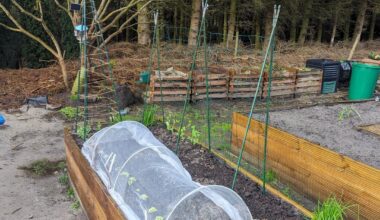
{"x": 320, "y": 125}
{"x": 30, "y": 136}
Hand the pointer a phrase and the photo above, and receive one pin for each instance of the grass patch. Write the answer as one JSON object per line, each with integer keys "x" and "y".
{"x": 44, "y": 167}
{"x": 331, "y": 209}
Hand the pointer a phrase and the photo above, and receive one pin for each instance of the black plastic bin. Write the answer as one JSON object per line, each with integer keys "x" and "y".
{"x": 331, "y": 71}
{"x": 345, "y": 74}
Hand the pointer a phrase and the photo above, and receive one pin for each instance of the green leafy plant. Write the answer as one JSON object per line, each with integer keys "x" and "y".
{"x": 271, "y": 176}
{"x": 113, "y": 63}
{"x": 195, "y": 134}
{"x": 64, "y": 179}
{"x": 330, "y": 209}
{"x": 75, "y": 205}
{"x": 68, "y": 112}
{"x": 149, "y": 115}
{"x": 83, "y": 131}
{"x": 374, "y": 56}
{"x": 70, "y": 193}
{"x": 347, "y": 112}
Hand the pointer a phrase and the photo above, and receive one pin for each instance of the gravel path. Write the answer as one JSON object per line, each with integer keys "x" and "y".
{"x": 321, "y": 125}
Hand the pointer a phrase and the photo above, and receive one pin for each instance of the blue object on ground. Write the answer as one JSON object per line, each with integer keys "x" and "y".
{"x": 2, "y": 119}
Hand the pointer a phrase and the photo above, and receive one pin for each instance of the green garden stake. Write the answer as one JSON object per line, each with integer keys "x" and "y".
{"x": 193, "y": 64}
{"x": 268, "y": 97}
{"x": 276, "y": 14}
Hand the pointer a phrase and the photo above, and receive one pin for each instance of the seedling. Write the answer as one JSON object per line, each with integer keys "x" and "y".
{"x": 70, "y": 193}
{"x": 271, "y": 177}
{"x": 64, "y": 179}
{"x": 331, "y": 209}
{"x": 83, "y": 132}
{"x": 347, "y": 112}
{"x": 195, "y": 134}
{"x": 69, "y": 112}
{"x": 75, "y": 205}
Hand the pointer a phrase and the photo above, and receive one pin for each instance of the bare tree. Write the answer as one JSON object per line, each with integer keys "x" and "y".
{"x": 194, "y": 24}
{"x": 358, "y": 27}
{"x": 231, "y": 22}
{"x": 106, "y": 16}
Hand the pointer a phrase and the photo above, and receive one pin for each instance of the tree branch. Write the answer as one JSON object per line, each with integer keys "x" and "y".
{"x": 125, "y": 24}
{"x": 9, "y": 27}
{"x": 121, "y": 13}
{"x": 27, "y": 33}
{"x": 25, "y": 11}
{"x": 65, "y": 9}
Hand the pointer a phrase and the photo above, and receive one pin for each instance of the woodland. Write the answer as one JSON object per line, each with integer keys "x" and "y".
{"x": 39, "y": 33}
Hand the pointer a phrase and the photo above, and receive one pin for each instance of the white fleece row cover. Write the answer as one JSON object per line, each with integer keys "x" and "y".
{"x": 148, "y": 181}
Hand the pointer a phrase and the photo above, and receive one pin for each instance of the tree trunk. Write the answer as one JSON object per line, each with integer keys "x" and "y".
{"x": 358, "y": 27}
{"x": 320, "y": 32}
{"x": 305, "y": 22}
{"x": 143, "y": 27}
{"x": 180, "y": 37}
{"x": 236, "y": 42}
{"x": 347, "y": 26}
{"x": 62, "y": 64}
{"x": 231, "y": 22}
{"x": 267, "y": 27}
{"x": 194, "y": 24}
{"x": 360, "y": 20}
{"x": 373, "y": 24}
{"x": 335, "y": 24}
{"x": 175, "y": 22}
{"x": 293, "y": 29}
{"x": 225, "y": 25}
{"x": 257, "y": 34}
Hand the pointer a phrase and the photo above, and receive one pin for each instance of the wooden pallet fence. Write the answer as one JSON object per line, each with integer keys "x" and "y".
{"x": 218, "y": 82}
{"x": 243, "y": 83}
{"x": 283, "y": 83}
{"x": 174, "y": 88}
{"x": 308, "y": 82}
{"x": 310, "y": 169}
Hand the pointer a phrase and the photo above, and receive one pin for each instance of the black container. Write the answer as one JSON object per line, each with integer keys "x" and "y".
{"x": 331, "y": 71}
{"x": 345, "y": 74}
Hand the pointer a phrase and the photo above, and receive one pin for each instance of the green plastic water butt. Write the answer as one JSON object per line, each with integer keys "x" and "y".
{"x": 363, "y": 81}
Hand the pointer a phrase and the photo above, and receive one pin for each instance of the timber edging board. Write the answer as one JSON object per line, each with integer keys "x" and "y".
{"x": 310, "y": 169}
{"x": 96, "y": 201}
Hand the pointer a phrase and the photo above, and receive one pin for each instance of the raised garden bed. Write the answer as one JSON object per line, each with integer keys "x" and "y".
{"x": 203, "y": 166}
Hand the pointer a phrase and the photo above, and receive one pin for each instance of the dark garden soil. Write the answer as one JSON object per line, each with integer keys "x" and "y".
{"x": 206, "y": 168}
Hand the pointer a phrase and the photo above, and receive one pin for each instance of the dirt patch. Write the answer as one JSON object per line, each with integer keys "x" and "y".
{"x": 327, "y": 126}
{"x": 206, "y": 169}
{"x": 29, "y": 137}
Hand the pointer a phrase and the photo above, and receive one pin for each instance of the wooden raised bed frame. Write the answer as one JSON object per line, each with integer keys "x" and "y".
{"x": 94, "y": 198}
{"x": 310, "y": 169}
